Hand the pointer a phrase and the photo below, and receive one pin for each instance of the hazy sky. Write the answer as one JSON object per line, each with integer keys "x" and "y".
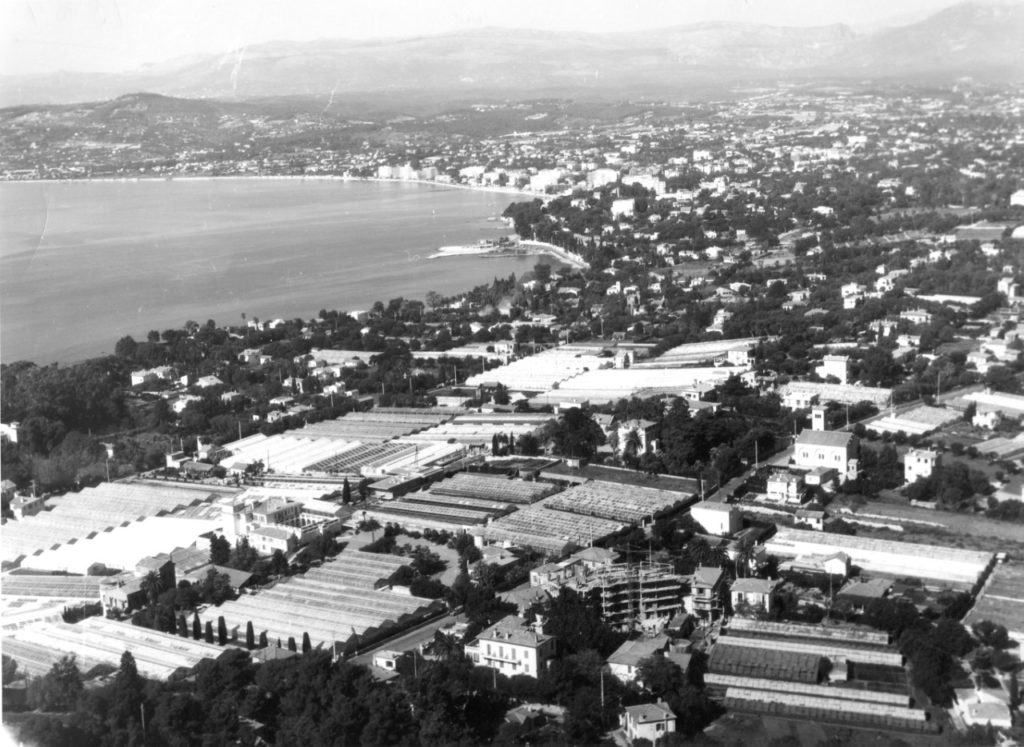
{"x": 115, "y": 35}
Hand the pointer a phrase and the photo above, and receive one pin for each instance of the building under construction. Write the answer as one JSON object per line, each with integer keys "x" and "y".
{"x": 632, "y": 594}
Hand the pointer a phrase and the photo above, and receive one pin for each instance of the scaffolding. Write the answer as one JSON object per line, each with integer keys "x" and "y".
{"x": 637, "y": 592}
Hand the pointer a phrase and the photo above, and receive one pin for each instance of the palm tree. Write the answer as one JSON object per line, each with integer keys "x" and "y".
{"x": 152, "y": 584}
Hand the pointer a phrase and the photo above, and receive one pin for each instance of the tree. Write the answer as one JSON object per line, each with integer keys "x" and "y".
{"x": 197, "y": 627}
{"x": 127, "y": 693}
{"x": 307, "y": 645}
{"x": 152, "y": 584}
{"x": 250, "y": 636}
{"x": 991, "y": 634}
{"x": 220, "y": 550}
{"x": 575, "y": 434}
{"x": 60, "y": 688}
{"x": 1001, "y": 379}
{"x": 346, "y": 492}
{"x": 10, "y": 670}
{"x": 182, "y": 626}
{"x": 263, "y": 639}
{"x": 660, "y": 675}
{"x": 125, "y": 347}
{"x": 278, "y": 563}
{"x": 209, "y": 631}
{"x": 222, "y": 631}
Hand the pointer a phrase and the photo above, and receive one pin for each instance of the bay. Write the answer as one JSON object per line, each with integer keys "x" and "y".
{"x": 85, "y": 263}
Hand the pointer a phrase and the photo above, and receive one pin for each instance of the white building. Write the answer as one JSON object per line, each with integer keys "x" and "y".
{"x": 650, "y": 721}
{"x": 717, "y": 518}
{"x": 833, "y": 450}
{"x": 929, "y": 562}
{"x": 919, "y": 463}
{"x": 512, "y": 647}
{"x": 624, "y": 662}
{"x": 623, "y": 208}
{"x": 834, "y": 365}
{"x": 785, "y": 487}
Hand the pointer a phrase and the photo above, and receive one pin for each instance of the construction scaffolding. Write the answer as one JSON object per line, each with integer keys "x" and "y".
{"x": 634, "y": 593}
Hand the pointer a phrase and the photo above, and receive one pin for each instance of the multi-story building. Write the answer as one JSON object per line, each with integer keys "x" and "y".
{"x": 512, "y": 647}
{"x": 707, "y": 592}
{"x": 645, "y": 593}
{"x": 919, "y": 463}
{"x": 649, "y": 721}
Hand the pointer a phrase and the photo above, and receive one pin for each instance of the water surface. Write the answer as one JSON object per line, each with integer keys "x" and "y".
{"x": 84, "y": 263}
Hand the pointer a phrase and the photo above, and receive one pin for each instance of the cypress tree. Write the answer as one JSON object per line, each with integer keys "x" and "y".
{"x": 222, "y": 631}
{"x": 197, "y": 627}
{"x": 182, "y": 626}
{"x": 291, "y": 644}
{"x": 346, "y": 492}
{"x": 250, "y": 636}
{"x": 209, "y": 631}
{"x": 263, "y": 639}
{"x": 306, "y": 644}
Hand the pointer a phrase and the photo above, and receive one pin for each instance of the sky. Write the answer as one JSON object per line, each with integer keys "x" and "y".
{"x": 44, "y": 36}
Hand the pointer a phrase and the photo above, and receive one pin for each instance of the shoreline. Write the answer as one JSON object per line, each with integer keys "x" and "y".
{"x": 517, "y": 248}
{"x": 285, "y": 177}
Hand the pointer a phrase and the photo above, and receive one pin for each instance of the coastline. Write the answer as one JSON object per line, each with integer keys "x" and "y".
{"x": 511, "y": 250}
{"x": 287, "y": 177}
{"x": 391, "y": 262}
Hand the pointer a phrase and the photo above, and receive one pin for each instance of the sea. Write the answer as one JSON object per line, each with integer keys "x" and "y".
{"x": 84, "y": 263}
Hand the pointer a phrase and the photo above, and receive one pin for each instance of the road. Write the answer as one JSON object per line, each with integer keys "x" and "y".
{"x": 406, "y": 641}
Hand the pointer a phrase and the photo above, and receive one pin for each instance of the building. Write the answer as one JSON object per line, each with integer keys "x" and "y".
{"x": 835, "y": 450}
{"x": 646, "y": 593}
{"x": 835, "y": 564}
{"x": 785, "y": 487}
{"x": 943, "y": 565}
{"x": 707, "y": 593}
{"x": 271, "y": 520}
{"x": 835, "y": 366}
{"x": 151, "y": 375}
{"x": 812, "y": 517}
{"x": 27, "y": 505}
{"x": 859, "y": 594}
{"x": 512, "y": 647}
{"x": 753, "y": 594}
{"x": 919, "y": 463}
{"x": 650, "y": 721}
{"x": 9, "y": 432}
{"x": 717, "y": 518}
{"x": 625, "y": 660}
{"x": 642, "y": 443}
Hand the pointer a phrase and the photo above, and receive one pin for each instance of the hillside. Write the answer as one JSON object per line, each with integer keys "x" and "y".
{"x": 971, "y": 39}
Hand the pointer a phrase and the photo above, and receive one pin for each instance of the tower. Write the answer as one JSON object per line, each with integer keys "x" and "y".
{"x": 818, "y": 418}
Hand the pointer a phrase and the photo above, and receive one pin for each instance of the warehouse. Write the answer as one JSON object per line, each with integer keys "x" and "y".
{"x": 942, "y": 565}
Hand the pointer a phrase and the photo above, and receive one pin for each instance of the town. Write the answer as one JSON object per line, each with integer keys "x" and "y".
{"x": 747, "y": 469}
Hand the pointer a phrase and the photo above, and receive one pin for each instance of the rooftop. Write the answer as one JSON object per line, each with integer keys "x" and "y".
{"x": 649, "y": 712}
{"x": 824, "y": 438}
{"x": 513, "y": 630}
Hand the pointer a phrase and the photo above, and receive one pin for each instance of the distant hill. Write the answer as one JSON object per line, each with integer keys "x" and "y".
{"x": 971, "y": 39}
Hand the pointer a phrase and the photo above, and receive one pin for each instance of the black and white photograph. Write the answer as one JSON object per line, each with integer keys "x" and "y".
{"x": 442, "y": 373}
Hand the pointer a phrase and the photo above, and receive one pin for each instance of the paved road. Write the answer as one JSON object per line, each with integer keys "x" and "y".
{"x": 406, "y": 641}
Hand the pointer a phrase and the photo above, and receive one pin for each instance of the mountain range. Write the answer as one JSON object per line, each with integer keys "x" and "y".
{"x": 980, "y": 40}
